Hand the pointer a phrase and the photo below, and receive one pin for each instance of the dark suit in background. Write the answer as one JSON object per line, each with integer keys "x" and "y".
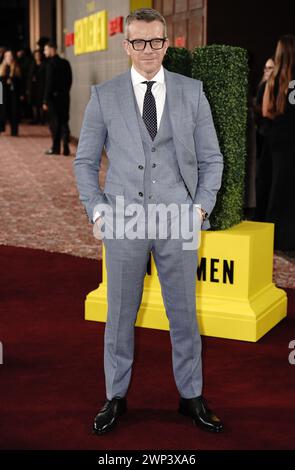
{"x": 57, "y": 98}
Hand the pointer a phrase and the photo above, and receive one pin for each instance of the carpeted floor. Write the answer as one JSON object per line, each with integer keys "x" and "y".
{"x": 39, "y": 201}
{"x": 52, "y": 380}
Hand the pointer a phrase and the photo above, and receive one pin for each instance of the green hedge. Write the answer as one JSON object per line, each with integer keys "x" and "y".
{"x": 224, "y": 73}
{"x": 179, "y": 60}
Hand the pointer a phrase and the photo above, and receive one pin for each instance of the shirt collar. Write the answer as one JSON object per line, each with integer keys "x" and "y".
{"x": 137, "y": 78}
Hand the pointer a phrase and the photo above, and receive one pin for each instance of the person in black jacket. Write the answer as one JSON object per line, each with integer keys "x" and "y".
{"x": 263, "y": 157}
{"x": 25, "y": 59}
{"x": 57, "y": 99}
{"x": 35, "y": 87}
{"x": 10, "y": 76}
{"x": 278, "y": 105}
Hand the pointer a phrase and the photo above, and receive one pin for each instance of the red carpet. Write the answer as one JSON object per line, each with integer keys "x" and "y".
{"x": 52, "y": 380}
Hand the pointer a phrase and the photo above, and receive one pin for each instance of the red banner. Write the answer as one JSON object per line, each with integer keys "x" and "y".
{"x": 69, "y": 39}
{"x": 116, "y": 25}
{"x": 179, "y": 41}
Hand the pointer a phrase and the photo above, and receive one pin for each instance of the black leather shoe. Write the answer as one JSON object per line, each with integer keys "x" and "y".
{"x": 52, "y": 152}
{"x": 107, "y": 417}
{"x": 66, "y": 151}
{"x": 197, "y": 409}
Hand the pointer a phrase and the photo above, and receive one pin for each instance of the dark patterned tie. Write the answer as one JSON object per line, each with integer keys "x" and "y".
{"x": 149, "y": 114}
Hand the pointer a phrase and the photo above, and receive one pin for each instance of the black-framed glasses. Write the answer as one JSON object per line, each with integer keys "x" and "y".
{"x": 140, "y": 44}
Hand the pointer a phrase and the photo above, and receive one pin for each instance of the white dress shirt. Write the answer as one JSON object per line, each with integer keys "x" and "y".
{"x": 158, "y": 90}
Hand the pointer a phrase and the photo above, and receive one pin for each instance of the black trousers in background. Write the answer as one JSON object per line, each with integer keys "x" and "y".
{"x": 10, "y": 111}
{"x": 281, "y": 208}
{"x": 58, "y": 114}
{"x": 264, "y": 178}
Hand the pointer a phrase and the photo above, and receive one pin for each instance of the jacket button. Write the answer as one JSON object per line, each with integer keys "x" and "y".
{"x": 153, "y": 149}
{"x": 140, "y": 167}
{"x": 154, "y": 165}
{"x": 140, "y": 194}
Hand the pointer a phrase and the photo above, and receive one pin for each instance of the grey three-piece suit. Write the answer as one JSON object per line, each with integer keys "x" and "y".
{"x": 182, "y": 165}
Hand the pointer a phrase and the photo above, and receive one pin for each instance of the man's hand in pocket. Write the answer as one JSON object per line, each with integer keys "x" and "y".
{"x": 97, "y": 228}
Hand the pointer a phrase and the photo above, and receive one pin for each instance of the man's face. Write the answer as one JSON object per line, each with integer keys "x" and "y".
{"x": 47, "y": 51}
{"x": 148, "y": 61}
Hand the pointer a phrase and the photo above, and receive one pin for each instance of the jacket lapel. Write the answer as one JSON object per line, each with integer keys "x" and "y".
{"x": 174, "y": 98}
{"x": 126, "y": 100}
{"x": 174, "y": 95}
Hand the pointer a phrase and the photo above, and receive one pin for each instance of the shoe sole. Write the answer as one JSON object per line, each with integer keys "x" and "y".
{"x": 199, "y": 425}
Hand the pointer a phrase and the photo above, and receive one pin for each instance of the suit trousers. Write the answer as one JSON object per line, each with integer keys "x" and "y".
{"x": 126, "y": 264}
{"x": 58, "y": 114}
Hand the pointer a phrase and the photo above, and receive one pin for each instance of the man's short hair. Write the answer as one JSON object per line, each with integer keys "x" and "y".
{"x": 145, "y": 14}
{"x": 51, "y": 44}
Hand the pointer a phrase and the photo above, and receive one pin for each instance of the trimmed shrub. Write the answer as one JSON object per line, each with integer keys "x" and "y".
{"x": 179, "y": 60}
{"x": 224, "y": 73}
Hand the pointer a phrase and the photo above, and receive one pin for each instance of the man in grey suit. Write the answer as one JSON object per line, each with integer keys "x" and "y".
{"x": 157, "y": 130}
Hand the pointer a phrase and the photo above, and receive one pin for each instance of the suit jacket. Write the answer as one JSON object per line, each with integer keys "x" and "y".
{"x": 110, "y": 121}
{"x": 58, "y": 78}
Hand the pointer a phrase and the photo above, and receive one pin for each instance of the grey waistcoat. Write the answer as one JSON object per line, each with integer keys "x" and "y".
{"x": 162, "y": 179}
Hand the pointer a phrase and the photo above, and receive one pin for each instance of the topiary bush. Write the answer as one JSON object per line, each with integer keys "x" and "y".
{"x": 224, "y": 73}
{"x": 179, "y": 60}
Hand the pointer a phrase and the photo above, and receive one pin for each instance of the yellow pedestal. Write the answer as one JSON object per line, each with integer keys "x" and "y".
{"x": 236, "y": 297}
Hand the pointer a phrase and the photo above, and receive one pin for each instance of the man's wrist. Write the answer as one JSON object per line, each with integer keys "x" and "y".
{"x": 204, "y": 214}
{"x": 202, "y": 211}
{"x": 96, "y": 216}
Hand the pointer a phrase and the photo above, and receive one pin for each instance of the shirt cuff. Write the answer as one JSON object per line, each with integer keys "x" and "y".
{"x": 96, "y": 215}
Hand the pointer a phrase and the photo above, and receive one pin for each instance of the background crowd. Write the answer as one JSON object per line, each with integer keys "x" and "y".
{"x": 275, "y": 112}
{"x": 36, "y": 88}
